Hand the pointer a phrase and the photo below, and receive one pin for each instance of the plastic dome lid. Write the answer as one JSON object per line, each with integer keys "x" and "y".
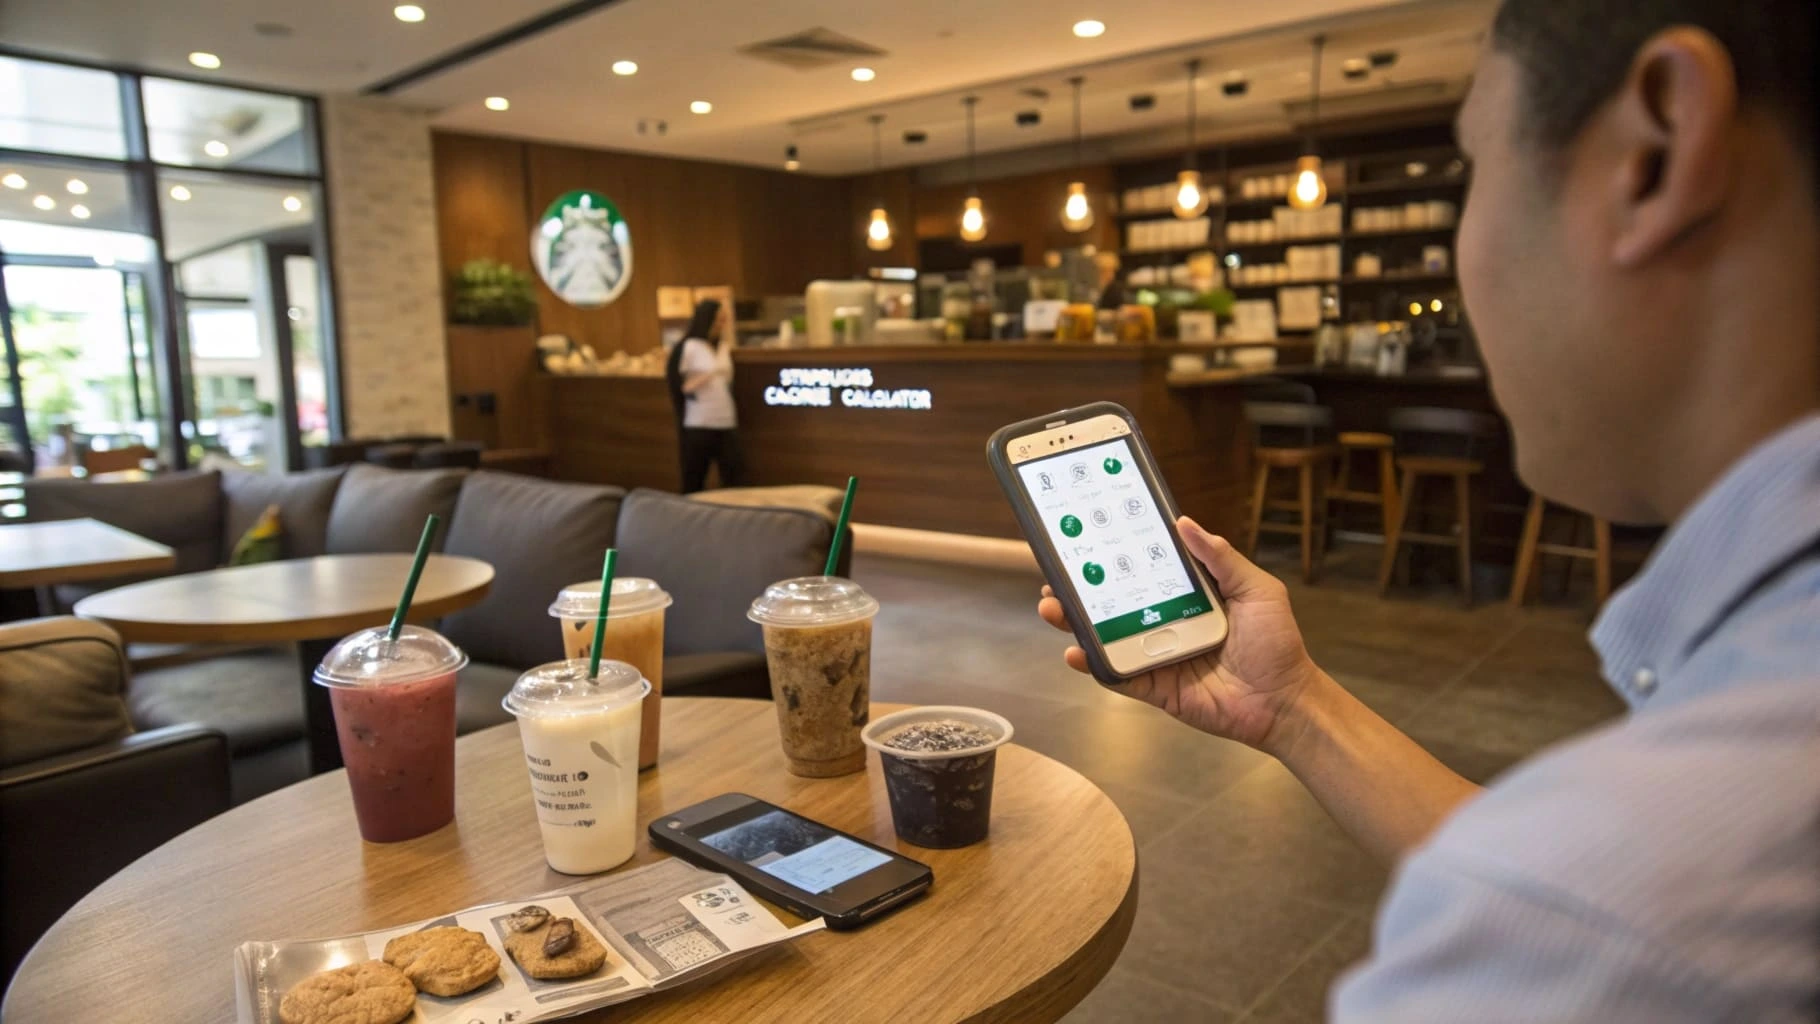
{"x": 563, "y": 688}
{"x": 370, "y": 658}
{"x": 812, "y": 601}
{"x": 632, "y": 595}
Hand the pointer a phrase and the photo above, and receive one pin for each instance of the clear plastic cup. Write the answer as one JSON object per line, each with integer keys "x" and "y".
{"x": 818, "y": 646}
{"x": 580, "y": 739}
{"x": 635, "y": 635}
{"x": 940, "y": 792}
{"x": 394, "y": 703}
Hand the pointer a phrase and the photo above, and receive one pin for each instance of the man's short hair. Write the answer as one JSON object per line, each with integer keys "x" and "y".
{"x": 1575, "y": 54}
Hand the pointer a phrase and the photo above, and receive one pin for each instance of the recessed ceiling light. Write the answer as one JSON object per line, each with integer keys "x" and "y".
{"x": 14, "y": 180}
{"x": 77, "y": 187}
{"x": 179, "y": 193}
{"x": 44, "y": 202}
{"x": 215, "y": 148}
{"x": 701, "y": 107}
{"x": 864, "y": 74}
{"x": 408, "y": 13}
{"x": 79, "y": 212}
{"x": 293, "y": 204}
{"x": 625, "y": 67}
{"x": 1089, "y": 29}
{"x": 204, "y": 60}
{"x": 498, "y": 103}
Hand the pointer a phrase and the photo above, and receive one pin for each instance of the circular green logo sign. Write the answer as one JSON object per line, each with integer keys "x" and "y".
{"x": 1112, "y": 467}
{"x": 1094, "y": 573}
{"x": 582, "y": 249}
{"x": 1071, "y": 526}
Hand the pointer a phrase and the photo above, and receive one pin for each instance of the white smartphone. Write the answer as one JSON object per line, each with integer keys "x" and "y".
{"x": 1102, "y": 525}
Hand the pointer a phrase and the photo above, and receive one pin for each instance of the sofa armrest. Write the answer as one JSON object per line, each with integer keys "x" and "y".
{"x": 75, "y": 819}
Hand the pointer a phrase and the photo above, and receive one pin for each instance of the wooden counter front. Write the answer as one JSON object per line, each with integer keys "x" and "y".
{"x": 614, "y": 430}
{"x": 926, "y": 468}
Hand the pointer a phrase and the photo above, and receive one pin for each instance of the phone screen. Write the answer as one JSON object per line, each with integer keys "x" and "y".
{"x": 796, "y": 851}
{"x": 1113, "y": 540}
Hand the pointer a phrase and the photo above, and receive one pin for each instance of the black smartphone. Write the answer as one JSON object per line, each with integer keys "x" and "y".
{"x": 802, "y": 865}
{"x": 1102, "y": 525}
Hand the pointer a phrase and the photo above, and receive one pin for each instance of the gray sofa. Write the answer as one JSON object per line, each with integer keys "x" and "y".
{"x": 538, "y": 535}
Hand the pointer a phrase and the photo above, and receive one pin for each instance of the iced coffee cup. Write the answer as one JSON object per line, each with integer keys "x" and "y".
{"x": 818, "y": 645}
{"x": 938, "y": 765}
{"x": 580, "y": 739}
{"x": 635, "y": 635}
{"x": 394, "y": 704}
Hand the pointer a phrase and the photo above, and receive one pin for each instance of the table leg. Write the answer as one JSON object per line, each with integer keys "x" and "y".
{"x": 318, "y": 716}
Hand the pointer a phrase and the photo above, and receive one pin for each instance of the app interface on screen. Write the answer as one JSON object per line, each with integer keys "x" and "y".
{"x": 797, "y": 851}
{"x": 1112, "y": 539}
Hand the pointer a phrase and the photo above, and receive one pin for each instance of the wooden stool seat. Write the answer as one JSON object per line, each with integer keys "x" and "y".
{"x": 1532, "y": 548}
{"x": 1439, "y": 465}
{"x": 1294, "y": 458}
{"x": 1365, "y": 439}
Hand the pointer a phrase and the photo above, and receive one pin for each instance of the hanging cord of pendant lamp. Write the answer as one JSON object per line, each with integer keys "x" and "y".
{"x": 878, "y": 228}
{"x": 1309, "y": 189}
{"x": 1191, "y": 195}
{"x": 1077, "y": 209}
{"x": 973, "y": 213}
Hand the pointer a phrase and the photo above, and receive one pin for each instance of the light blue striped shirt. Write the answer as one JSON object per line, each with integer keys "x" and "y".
{"x": 1664, "y": 868}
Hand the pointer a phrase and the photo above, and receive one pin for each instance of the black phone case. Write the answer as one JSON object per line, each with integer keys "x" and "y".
{"x": 1046, "y": 557}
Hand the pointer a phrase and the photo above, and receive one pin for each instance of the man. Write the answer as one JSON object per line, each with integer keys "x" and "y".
{"x": 1641, "y": 254}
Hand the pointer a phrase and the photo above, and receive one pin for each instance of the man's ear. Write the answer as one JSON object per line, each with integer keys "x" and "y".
{"x": 1672, "y": 122}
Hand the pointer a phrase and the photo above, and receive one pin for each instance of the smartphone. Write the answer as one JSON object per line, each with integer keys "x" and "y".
{"x": 802, "y": 865}
{"x": 1102, "y": 525}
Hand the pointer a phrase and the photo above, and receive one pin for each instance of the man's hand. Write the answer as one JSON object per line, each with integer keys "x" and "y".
{"x": 1243, "y": 689}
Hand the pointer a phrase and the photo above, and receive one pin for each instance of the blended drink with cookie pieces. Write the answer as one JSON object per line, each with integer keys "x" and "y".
{"x": 818, "y": 647}
{"x": 580, "y": 739}
{"x": 938, "y": 764}
{"x": 635, "y": 635}
{"x": 394, "y": 704}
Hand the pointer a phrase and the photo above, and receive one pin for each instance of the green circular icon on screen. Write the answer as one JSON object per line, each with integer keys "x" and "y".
{"x": 1112, "y": 467}
{"x": 1071, "y": 526}
{"x": 1094, "y": 573}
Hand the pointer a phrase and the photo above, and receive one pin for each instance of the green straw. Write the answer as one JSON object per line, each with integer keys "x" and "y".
{"x": 410, "y": 583}
{"x": 600, "y": 617}
{"x": 840, "y": 528}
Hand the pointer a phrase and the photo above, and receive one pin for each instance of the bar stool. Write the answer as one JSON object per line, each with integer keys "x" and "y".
{"x": 1531, "y": 550}
{"x": 1292, "y": 436}
{"x": 1382, "y": 447}
{"x": 1437, "y": 443}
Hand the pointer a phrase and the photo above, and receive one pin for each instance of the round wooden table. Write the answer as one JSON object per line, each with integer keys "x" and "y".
{"x": 1020, "y": 927}
{"x": 311, "y": 601}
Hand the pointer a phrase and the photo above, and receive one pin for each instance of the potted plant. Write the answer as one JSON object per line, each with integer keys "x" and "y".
{"x": 490, "y": 293}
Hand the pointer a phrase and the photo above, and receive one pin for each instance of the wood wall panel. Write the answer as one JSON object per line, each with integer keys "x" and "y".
{"x": 614, "y": 430}
{"x": 480, "y": 201}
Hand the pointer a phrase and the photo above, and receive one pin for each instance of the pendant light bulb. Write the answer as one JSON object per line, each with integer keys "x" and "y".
{"x": 1077, "y": 212}
{"x": 1310, "y": 188}
{"x": 1190, "y": 195}
{"x": 973, "y": 220}
{"x": 878, "y": 231}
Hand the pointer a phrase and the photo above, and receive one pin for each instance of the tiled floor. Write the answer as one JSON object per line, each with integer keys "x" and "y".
{"x": 1251, "y": 900}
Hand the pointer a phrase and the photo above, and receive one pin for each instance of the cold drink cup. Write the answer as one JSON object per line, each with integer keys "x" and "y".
{"x": 580, "y": 739}
{"x": 939, "y": 765}
{"x": 635, "y": 635}
{"x": 394, "y": 704}
{"x": 818, "y": 646}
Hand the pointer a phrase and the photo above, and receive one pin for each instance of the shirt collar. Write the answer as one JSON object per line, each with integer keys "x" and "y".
{"x": 1762, "y": 514}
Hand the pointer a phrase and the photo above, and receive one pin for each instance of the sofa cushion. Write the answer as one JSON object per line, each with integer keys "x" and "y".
{"x": 255, "y": 697}
{"x": 478, "y": 692}
{"x": 303, "y": 499}
{"x": 539, "y": 537}
{"x": 62, "y": 688}
{"x": 380, "y": 510}
{"x": 824, "y": 501}
{"x": 714, "y": 560}
{"x": 179, "y": 510}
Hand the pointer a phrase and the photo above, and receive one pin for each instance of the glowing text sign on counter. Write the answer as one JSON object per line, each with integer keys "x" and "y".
{"x": 817, "y": 386}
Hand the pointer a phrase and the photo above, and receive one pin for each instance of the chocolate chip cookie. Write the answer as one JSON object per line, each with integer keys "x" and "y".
{"x": 557, "y": 948}
{"x": 444, "y": 961}
{"x": 369, "y": 992}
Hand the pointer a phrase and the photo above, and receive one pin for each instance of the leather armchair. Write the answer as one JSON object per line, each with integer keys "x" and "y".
{"x": 73, "y": 817}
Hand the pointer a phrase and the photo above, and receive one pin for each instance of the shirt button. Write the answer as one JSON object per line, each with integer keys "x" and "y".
{"x": 1643, "y": 682}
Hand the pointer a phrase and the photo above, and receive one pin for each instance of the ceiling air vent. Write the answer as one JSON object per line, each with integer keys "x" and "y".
{"x": 806, "y": 51}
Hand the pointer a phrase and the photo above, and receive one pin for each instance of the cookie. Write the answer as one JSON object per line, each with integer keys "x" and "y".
{"x": 369, "y": 992}
{"x": 444, "y": 961}
{"x": 542, "y": 952}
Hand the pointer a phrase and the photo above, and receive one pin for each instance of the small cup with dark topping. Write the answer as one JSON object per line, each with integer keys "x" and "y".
{"x": 939, "y": 764}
